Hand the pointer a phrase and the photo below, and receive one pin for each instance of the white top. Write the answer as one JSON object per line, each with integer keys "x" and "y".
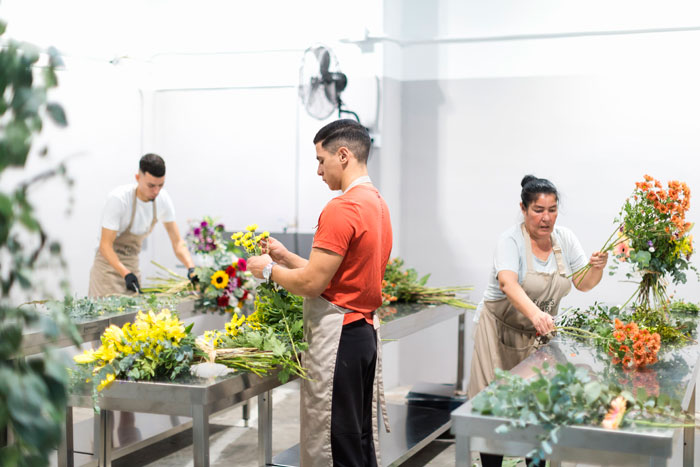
{"x": 117, "y": 210}
{"x": 510, "y": 256}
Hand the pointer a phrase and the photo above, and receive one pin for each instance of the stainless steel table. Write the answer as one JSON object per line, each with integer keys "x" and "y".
{"x": 190, "y": 397}
{"x": 675, "y": 374}
{"x": 91, "y": 328}
{"x": 198, "y": 399}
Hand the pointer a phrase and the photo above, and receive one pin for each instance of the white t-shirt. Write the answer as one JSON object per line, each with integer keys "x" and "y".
{"x": 510, "y": 256}
{"x": 116, "y": 213}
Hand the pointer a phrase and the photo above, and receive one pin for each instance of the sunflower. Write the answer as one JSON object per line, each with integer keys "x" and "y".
{"x": 219, "y": 279}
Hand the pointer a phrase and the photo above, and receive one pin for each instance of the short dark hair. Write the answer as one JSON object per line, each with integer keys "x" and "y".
{"x": 532, "y": 187}
{"x": 153, "y": 164}
{"x": 348, "y": 133}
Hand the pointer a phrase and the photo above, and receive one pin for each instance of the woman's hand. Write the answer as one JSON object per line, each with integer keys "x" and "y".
{"x": 598, "y": 260}
{"x": 543, "y": 322}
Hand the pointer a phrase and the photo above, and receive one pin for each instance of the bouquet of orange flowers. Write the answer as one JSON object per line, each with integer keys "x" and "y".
{"x": 657, "y": 239}
{"x": 633, "y": 346}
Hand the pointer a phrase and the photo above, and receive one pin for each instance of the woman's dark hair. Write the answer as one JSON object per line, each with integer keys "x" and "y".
{"x": 533, "y": 187}
{"x": 153, "y": 164}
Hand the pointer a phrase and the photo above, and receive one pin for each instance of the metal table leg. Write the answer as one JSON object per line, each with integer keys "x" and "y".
{"x": 459, "y": 387}
{"x": 245, "y": 413}
{"x": 689, "y": 437}
{"x": 65, "y": 449}
{"x": 104, "y": 440}
{"x": 200, "y": 433}
{"x": 265, "y": 429}
{"x": 462, "y": 452}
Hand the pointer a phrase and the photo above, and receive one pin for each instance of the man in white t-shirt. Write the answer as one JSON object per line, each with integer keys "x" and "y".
{"x": 129, "y": 215}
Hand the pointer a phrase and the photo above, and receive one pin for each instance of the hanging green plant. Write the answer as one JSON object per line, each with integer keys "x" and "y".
{"x": 32, "y": 390}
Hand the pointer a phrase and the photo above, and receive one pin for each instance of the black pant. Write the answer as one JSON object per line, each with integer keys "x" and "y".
{"x": 353, "y": 384}
{"x": 495, "y": 460}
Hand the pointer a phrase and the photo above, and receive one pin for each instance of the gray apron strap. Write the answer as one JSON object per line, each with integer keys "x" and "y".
{"x": 380, "y": 376}
{"x": 528, "y": 248}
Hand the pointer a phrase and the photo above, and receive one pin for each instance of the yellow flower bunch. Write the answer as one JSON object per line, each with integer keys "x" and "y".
{"x": 234, "y": 325}
{"x": 249, "y": 240}
{"x": 215, "y": 337}
{"x": 145, "y": 336}
{"x": 684, "y": 246}
{"x": 254, "y": 321}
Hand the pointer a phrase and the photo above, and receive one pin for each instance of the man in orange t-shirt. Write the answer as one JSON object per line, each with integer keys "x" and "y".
{"x": 341, "y": 282}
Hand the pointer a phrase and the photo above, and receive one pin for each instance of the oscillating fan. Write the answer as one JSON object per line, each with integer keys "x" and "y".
{"x": 321, "y": 82}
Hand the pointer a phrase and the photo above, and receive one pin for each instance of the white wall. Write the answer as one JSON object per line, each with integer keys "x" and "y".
{"x": 211, "y": 88}
{"x": 473, "y": 95}
{"x": 482, "y": 105}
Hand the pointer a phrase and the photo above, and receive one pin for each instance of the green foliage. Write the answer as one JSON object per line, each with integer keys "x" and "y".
{"x": 405, "y": 286}
{"x": 567, "y": 395}
{"x": 32, "y": 389}
{"x": 85, "y": 308}
{"x": 598, "y": 318}
{"x": 273, "y": 336}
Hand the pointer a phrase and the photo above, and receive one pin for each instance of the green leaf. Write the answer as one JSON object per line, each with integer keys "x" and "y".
{"x": 10, "y": 340}
{"x": 55, "y": 59}
{"x": 57, "y": 114}
{"x": 642, "y": 395}
{"x": 424, "y": 280}
{"x": 592, "y": 391}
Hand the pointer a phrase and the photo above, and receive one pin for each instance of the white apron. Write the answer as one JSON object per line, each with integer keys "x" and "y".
{"x": 323, "y": 325}
{"x": 104, "y": 279}
{"x": 504, "y": 337}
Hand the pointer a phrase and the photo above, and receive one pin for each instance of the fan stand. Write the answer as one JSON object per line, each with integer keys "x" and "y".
{"x": 342, "y": 111}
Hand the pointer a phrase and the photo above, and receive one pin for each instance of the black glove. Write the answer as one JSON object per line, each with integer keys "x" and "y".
{"x": 192, "y": 276}
{"x": 132, "y": 283}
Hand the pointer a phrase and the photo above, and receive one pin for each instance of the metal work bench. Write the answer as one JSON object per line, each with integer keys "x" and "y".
{"x": 198, "y": 399}
{"x": 675, "y": 374}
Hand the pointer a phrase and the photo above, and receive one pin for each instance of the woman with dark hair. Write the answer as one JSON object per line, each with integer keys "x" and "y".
{"x": 531, "y": 274}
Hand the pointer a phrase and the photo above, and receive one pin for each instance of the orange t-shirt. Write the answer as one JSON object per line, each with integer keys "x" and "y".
{"x": 356, "y": 225}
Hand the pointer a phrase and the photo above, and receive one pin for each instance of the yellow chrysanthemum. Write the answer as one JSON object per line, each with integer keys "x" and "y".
{"x": 106, "y": 382}
{"x": 233, "y": 326}
{"x": 266, "y": 234}
{"x": 237, "y": 243}
{"x": 247, "y": 235}
{"x": 219, "y": 279}
{"x": 254, "y": 321}
{"x": 84, "y": 358}
{"x": 252, "y": 227}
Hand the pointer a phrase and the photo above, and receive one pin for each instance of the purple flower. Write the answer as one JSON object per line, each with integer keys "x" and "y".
{"x": 220, "y": 227}
{"x": 197, "y": 231}
{"x": 650, "y": 243}
{"x": 204, "y": 224}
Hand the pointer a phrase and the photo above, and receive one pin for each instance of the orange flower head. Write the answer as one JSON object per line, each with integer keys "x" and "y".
{"x": 615, "y": 414}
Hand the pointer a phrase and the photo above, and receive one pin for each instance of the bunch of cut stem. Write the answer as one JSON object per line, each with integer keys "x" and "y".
{"x": 438, "y": 295}
{"x": 172, "y": 283}
{"x": 609, "y": 245}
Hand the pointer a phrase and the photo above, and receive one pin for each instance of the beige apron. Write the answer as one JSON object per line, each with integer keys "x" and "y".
{"x": 504, "y": 337}
{"x": 104, "y": 279}
{"x": 323, "y": 325}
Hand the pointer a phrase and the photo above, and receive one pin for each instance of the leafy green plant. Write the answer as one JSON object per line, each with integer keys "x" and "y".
{"x": 270, "y": 338}
{"x": 568, "y": 395}
{"x": 598, "y": 318}
{"x": 405, "y": 286}
{"x": 32, "y": 388}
